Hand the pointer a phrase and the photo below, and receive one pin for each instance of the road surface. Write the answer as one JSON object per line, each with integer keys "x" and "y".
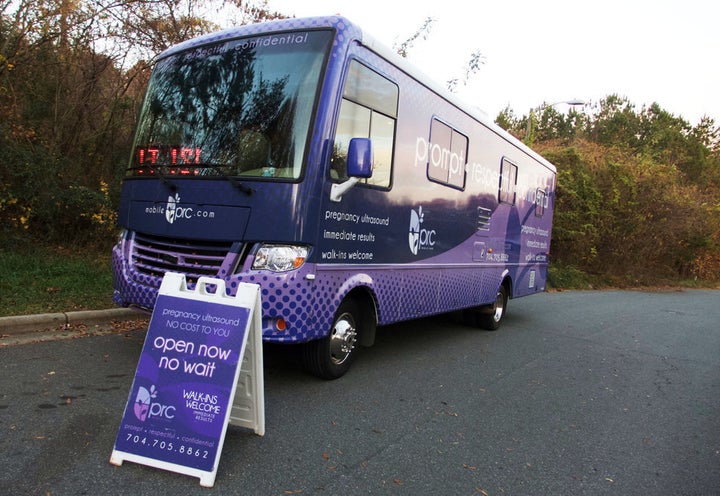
{"x": 599, "y": 392}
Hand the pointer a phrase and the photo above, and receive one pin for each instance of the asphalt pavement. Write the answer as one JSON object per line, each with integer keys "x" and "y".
{"x": 597, "y": 393}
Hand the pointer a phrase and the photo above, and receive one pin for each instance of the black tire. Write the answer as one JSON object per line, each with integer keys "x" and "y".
{"x": 491, "y": 317}
{"x": 331, "y": 357}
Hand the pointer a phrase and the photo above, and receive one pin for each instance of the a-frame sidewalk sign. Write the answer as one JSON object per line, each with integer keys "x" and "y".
{"x": 200, "y": 369}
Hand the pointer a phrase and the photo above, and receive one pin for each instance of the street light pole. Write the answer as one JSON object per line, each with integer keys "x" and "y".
{"x": 573, "y": 103}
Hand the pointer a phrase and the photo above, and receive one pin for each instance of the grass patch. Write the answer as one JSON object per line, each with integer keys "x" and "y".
{"x": 54, "y": 279}
{"x": 568, "y": 277}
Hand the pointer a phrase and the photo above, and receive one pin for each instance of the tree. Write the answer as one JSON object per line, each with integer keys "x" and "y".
{"x": 707, "y": 133}
{"x": 507, "y": 120}
{"x": 421, "y": 33}
{"x": 616, "y": 122}
{"x": 472, "y": 67}
{"x": 72, "y": 74}
{"x": 637, "y": 190}
{"x": 476, "y": 60}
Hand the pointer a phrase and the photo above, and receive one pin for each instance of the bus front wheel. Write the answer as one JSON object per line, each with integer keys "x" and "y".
{"x": 331, "y": 357}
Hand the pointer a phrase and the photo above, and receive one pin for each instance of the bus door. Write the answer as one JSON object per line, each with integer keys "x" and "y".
{"x": 358, "y": 227}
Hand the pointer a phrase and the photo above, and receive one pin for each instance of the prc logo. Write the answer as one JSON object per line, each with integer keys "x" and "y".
{"x": 419, "y": 238}
{"x": 141, "y": 408}
{"x": 145, "y": 407}
{"x": 171, "y": 207}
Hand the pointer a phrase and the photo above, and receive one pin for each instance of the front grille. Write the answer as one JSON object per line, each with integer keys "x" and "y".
{"x": 154, "y": 256}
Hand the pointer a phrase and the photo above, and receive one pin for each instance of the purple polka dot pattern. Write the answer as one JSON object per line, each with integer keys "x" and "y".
{"x": 308, "y": 305}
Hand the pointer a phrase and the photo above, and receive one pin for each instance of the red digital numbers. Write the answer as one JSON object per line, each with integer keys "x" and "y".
{"x": 168, "y": 155}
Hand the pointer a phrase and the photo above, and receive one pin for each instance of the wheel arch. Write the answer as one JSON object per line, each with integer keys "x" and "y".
{"x": 506, "y": 280}
{"x": 508, "y": 283}
{"x": 366, "y": 299}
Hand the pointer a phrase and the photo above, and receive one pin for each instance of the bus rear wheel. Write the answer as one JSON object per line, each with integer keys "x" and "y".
{"x": 331, "y": 357}
{"x": 490, "y": 317}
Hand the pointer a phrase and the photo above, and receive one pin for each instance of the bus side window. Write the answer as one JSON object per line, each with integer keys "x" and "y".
{"x": 508, "y": 182}
{"x": 368, "y": 110}
{"x": 541, "y": 202}
{"x": 448, "y": 166}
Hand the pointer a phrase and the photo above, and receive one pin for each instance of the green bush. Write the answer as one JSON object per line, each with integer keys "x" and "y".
{"x": 38, "y": 202}
{"x": 630, "y": 219}
{"x": 568, "y": 277}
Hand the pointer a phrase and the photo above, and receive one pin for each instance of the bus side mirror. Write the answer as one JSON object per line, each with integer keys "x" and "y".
{"x": 360, "y": 158}
{"x": 359, "y": 165}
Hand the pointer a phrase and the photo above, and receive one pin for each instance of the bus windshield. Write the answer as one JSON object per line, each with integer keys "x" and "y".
{"x": 242, "y": 107}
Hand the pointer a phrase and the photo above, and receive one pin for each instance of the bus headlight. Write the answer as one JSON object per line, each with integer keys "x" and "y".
{"x": 279, "y": 258}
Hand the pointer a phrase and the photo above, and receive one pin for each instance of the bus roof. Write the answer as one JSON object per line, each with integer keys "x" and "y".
{"x": 353, "y": 31}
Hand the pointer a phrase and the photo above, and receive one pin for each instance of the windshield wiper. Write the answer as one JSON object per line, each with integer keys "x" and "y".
{"x": 156, "y": 170}
{"x": 238, "y": 184}
{"x": 218, "y": 170}
{"x": 164, "y": 179}
{"x": 207, "y": 170}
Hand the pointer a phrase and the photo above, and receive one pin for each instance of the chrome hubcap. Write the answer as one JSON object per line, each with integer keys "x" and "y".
{"x": 499, "y": 307}
{"x": 342, "y": 339}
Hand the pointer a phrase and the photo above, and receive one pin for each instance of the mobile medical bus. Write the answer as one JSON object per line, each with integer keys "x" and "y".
{"x": 303, "y": 156}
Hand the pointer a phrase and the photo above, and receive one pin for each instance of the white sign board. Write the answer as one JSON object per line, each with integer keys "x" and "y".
{"x": 200, "y": 368}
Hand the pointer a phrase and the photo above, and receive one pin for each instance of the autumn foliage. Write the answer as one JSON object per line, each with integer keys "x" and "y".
{"x": 72, "y": 76}
{"x": 638, "y": 197}
{"x": 638, "y": 193}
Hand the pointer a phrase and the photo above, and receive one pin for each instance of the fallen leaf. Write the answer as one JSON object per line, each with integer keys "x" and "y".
{"x": 469, "y": 467}
{"x": 399, "y": 482}
{"x": 482, "y": 491}
{"x": 325, "y": 456}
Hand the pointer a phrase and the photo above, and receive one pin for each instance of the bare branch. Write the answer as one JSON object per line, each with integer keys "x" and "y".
{"x": 422, "y": 32}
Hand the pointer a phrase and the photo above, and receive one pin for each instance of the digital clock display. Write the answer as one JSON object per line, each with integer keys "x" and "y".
{"x": 167, "y": 155}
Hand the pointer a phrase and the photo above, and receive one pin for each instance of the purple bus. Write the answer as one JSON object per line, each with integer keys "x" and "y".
{"x": 303, "y": 156}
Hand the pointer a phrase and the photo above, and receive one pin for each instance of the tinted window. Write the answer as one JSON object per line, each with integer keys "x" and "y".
{"x": 447, "y": 155}
{"x": 241, "y": 107}
{"x": 368, "y": 110}
{"x": 541, "y": 201}
{"x": 508, "y": 182}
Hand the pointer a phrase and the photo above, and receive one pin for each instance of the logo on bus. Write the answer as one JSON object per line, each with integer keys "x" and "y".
{"x": 174, "y": 211}
{"x": 420, "y": 238}
{"x": 172, "y": 204}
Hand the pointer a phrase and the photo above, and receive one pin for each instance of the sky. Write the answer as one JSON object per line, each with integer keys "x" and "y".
{"x": 547, "y": 51}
